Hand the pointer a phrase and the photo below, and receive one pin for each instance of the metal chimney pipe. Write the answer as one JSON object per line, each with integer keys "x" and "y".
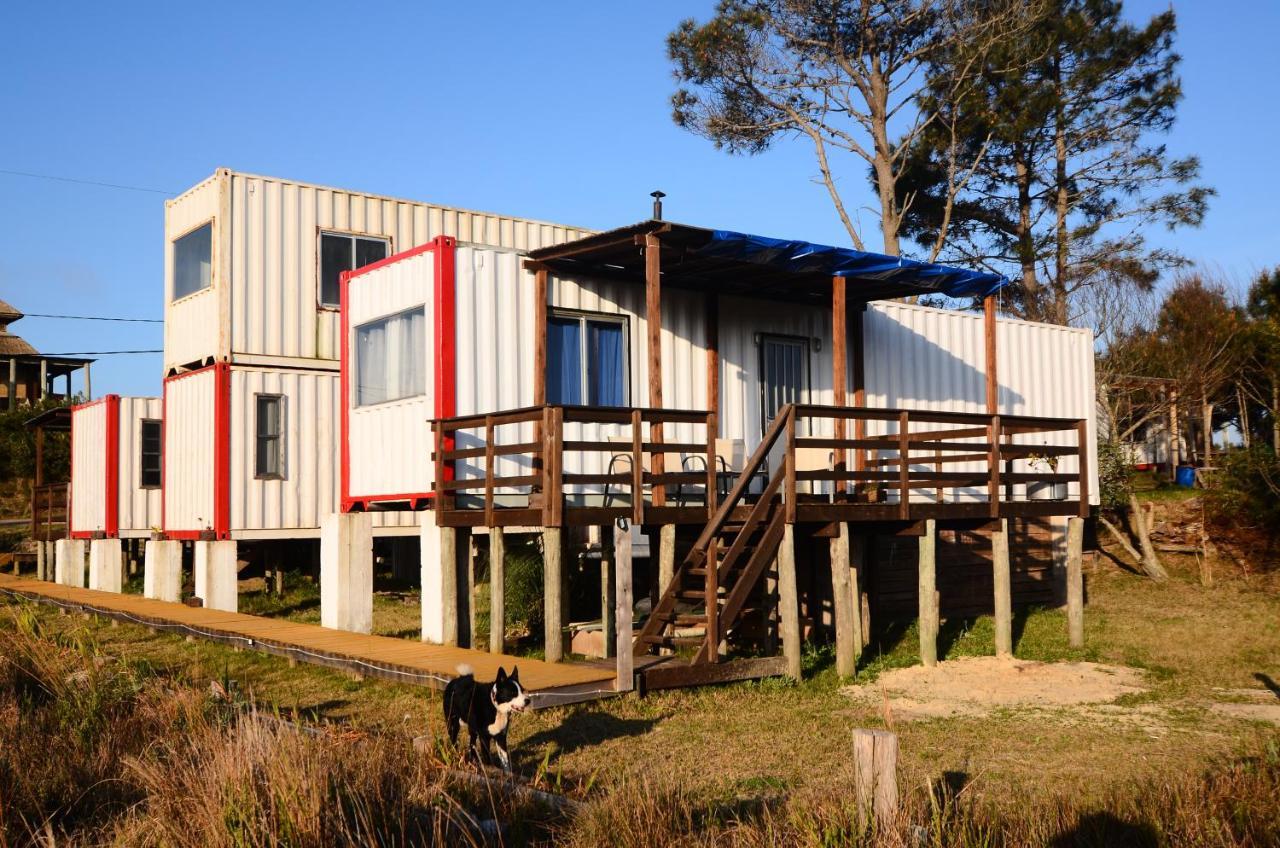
{"x": 657, "y": 204}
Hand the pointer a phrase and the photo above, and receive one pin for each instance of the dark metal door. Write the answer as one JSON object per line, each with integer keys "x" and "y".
{"x": 784, "y": 374}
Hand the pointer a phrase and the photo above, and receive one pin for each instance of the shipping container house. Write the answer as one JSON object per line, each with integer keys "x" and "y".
{"x": 116, "y": 467}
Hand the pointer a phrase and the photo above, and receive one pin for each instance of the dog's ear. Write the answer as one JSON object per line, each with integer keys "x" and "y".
{"x": 515, "y": 673}
{"x": 502, "y": 675}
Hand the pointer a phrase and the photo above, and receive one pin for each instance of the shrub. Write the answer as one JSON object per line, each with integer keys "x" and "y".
{"x": 1244, "y": 498}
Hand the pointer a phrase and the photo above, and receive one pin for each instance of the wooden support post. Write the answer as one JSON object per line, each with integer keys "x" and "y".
{"x": 859, "y": 386}
{"x": 666, "y": 556}
{"x": 471, "y": 592}
{"x": 625, "y": 681}
{"x": 713, "y": 357}
{"x": 875, "y": 757}
{"x": 497, "y": 590}
{"x": 1003, "y": 592}
{"x": 1075, "y": 581}
{"x": 840, "y": 382}
{"x": 449, "y": 585}
{"x": 41, "y": 565}
{"x": 928, "y": 620}
{"x": 789, "y": 602}
{"x": 653, "y": 321}
{"x": 552, "y": 594}
{"x": 843, "y": 601}
{"x": 858, "y": 546}
{"x": 608, "y": 594}
{"x": 989, "y": 342}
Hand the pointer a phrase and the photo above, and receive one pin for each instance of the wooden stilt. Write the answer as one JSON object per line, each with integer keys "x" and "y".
{"x": 552, "y": 591}
{"x": 471, "y": 591}
{"x": 623, "y": 611}
{"x": 666, "y": 556}
{"x": 789, "y": 602}
{"x": 449, "y": 584}
{"x": 1075, "y": 581}
{"x": 1003, "y": 593}
{"x": 842, "y": 593}
{"x": 928, "y": 619}
{"x": 608, "y": 581}
{"x": 857, "y": 569}
{"x": 497, "y": 590}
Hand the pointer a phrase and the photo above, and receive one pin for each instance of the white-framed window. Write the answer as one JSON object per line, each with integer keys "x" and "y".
{"x": 268, "y": 454}
{"x": 193, "y": 261}
{"x": 149, "y": 454}
{"x": 391, "y": 358}
{"x": 346, "y": 252}
{"x": 587, "y": 361}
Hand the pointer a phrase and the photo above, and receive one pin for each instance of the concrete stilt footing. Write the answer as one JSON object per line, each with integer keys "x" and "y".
{"x": 162, "y": 570}
{"x": 346, "y": 571}
{"x": 104, "y": 565}
{"x": 217, "y": 578}
{"x": 68, "y": 555}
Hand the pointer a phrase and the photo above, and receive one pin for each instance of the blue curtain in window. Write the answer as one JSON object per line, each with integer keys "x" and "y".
{"x": 605, "y": 380}
{"x": 564, "y": 361}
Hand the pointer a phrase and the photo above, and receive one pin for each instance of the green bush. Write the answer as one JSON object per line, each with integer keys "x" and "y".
{"x": 1245, "y": 493}
{"x": 18, "y": 445}
{"x": 1115, "y": 475}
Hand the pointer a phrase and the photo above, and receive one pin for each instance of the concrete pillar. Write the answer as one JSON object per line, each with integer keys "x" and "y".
{"x": 217, "y": 575}
{"x": 346, "y": 571}
{"x": 41, "y": 560}
{"x": 553, "y": 594}
{"x": 497, "y": 590}
{"x": 162, "y": 570}
{"x": 68, "y": 555}
{"x": 104, "y": 565}
{"x": 439, "y": 588}
{"x": 928, "y": 620}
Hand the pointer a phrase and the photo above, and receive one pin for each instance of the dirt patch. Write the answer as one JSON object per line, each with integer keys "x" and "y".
{"x": 975, "y": 686}
{"x": 1250, "y": 712}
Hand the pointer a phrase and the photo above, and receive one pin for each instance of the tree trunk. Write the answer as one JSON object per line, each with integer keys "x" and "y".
{"x": 886, "y": 179}
{"x": 1242, "y": 406}
{"x": 1026, "y": 243}
{"x": 1275, "y": 417}
{"x": 1150, "y": 560}
{"x": 1118, "y": 535}
{"x": 1062, "y": 205}
{"x": 1206, "y": 410}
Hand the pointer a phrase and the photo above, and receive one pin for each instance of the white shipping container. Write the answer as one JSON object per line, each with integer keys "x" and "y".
{"x": 108, "y": 492}
{"x": 191, "y": 412}
{"x": 90, "y": 443}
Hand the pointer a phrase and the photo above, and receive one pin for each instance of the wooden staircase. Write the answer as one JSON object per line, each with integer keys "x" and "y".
{"x": 712, "y": 584}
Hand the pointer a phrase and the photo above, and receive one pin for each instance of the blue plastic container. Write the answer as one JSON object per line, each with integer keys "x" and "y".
{"x": 1186, "y": 476}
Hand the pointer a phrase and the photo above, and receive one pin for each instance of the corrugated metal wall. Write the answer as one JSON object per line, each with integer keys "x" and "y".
{"x": 401, "y": 424}
{"x": 191, "y": 324}
{"x": 189, "y": 422}
{"x": 89, "y": 468}
{"x": 275, "y": 226}
{"x": 139, "y": 507}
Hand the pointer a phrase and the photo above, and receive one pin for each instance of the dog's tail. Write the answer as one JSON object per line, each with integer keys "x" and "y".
{"x": 465, "y": 670}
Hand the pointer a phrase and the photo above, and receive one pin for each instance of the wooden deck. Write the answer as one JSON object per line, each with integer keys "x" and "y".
{"x": 402, "y": 660}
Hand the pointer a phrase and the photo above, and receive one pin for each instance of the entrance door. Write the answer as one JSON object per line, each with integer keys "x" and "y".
{"x": 784, "y": 375}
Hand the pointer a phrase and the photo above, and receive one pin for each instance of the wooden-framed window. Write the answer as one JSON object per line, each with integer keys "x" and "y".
{"x": 269, "y": 444}
{"x": 150, "y": 454}
{"x": 587, "y": 359}
{"x": 346, "y": 252}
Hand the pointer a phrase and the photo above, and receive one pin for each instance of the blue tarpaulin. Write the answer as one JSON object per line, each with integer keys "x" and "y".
{"x": 806, "y": 257}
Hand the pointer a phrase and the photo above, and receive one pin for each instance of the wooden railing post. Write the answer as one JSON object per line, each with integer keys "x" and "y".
{"x": 712, "y": 478}
{"x": 555, "y": 461}
{"x": 546, "y": 465}
{"x": 993, "y": 467}
{"x": 488, "y": 471}
{"x": 789, "y": 458}
{"x": 637, "y": 468}
{"x": 1082, "y": 451}
{"x": 904, "y": 466}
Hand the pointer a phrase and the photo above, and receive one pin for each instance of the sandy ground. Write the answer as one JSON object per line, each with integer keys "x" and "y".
{"x": 975, "y": 686}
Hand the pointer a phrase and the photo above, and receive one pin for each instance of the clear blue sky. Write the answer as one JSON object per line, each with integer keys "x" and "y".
{"x": 556, "y": 111}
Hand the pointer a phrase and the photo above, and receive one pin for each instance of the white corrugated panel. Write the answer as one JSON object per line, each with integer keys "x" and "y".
{"x": 89, "y": 467}
{"x": 274, "y": 269}
{"x": 935, "y": 359}
{"x": 139, "y": 507}
{"x": 390, "y": 443}
{"x": 191, "y": 324}
{"x": 189, "y": 422}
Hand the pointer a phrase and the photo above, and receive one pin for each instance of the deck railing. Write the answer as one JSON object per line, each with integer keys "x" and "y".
{"x": 49, "y": 511}
{"x": 555, "y": 465}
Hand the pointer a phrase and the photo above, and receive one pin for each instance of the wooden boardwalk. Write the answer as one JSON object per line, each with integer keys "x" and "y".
{"x": 403, "y": 660}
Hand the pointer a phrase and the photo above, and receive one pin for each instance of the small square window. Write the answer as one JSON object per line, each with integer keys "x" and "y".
{"x": 150, "y": 455}
{"x": 269, "y": 437}
{"x": 586, "y": 359}
{"x": 193, "y": 261}
{"x": 344, "y": 252}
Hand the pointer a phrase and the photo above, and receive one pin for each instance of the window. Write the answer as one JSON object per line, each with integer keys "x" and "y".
{"x": 193, "y": 261}
{"x": 784, "y": 369}
{"x": 391, "y": 358}
{"x": 269, "y": 450}
{"x": 341, "y": 252}
{"x": 149, "y": 460}
{"x": 586, "y": 360}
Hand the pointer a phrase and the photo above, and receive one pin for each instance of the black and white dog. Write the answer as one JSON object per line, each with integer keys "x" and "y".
{"x": 485, "y": 708}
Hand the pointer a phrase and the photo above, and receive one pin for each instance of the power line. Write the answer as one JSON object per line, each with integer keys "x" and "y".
{"x": 99, "y": 352}
{"x": 93, "y": 318}
{"x": 86, "y": 182}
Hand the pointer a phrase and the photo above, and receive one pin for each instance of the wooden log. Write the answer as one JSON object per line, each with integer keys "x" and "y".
{"x": 625, "y": 681}
{"x": 497, "y": 590}
{"x": 552, "y": 594}
{"x": 928, "y": 583}
{"x": 1003, "y": 594}
{"x": 1151, "y": 563}
{"x": 1120, "y": 539}
{"x": 875, "y": 755}
{"x": 1075, "y": 581}
{"x": 843, "y": 595}
{"x": 789, "y": 602}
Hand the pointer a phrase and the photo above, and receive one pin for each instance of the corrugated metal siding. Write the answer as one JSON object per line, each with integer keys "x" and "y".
{"x": 89, "y": 468}
{"x": 188, "y": 451}
{"x": 274, "y": 238}
{"x": 400, "y": 423}
{"x": 923, "y": 358}
{"x": 139, "y": 507}
{"x": 191, "y": 324}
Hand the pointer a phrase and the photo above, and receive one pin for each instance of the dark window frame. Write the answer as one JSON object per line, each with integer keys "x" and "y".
{"x": 210, "y": 223}
{"x": 806, "y": 390}
{"x": 353, "y": 237}
{"x": 584, "y": 317}
{"x": 259, "y": 438}
{"x": 143, "y": 452}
